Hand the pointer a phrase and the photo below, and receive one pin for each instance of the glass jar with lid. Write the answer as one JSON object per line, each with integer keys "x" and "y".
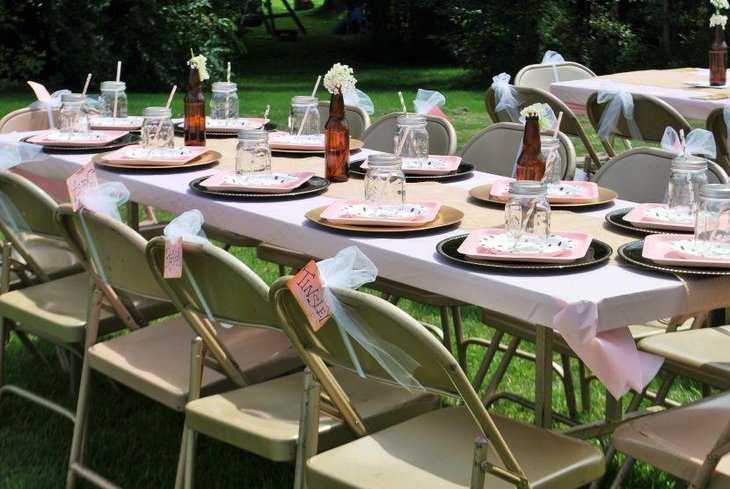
{"x": 304, "y": 116}
{"x": 253, "y": 153}
{"x": 527, "y": 212}
{"x": 554, "y": 169}
{"x": 113, "y": 99}
{"x": 158, "y": 132}
{"x": 224, "y": 103}
{"x": 411, "y": 140}
{"x": 385, "y": 183}
{"x": 74, "y": 114}
{"x": 712, "y": 229}
{"x": 689, "y": 174}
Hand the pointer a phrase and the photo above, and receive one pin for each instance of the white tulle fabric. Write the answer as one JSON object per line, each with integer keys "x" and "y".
{"x": 698, "y": 142}
{"x": 427, "y": 100}
{"x": 358, "y": 98}
{"x": 553, "y": 58}
{"x": 350, "y": 269}
{"x": 619, "y": 102}
{"x": 49, "y": 105}
{"x": 726, "y": 117}
{"x": 13, "y": 154}
{"x": 506, "y": 96}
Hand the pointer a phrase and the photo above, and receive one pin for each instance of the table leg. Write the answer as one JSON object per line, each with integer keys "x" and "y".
{"x": 614, "y": 409}
{"x": 543, "y": 377}
{"x": 133, "y": 215}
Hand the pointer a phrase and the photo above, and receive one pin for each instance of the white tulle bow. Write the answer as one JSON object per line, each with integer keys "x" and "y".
{"x": 358, "y": 98}
{"x": 48, "y": 105}
{"x": 553, "y": 58}
{"x": 698, "y": 142}
{"x": 427, "y": 100}
{"x": 506, "y": 96}
{"x": 350, "y": 269}
{"x": 188, "y": 226}
{"x": 619, "y": 102}
{"x": 106, "y": 199}
{"x": 13, "y": 154}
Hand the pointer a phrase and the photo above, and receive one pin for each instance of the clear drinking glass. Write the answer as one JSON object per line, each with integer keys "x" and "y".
{"x": 385, "y": 183}
{"x": 689, "y": 174}
{"x": 253, "y": 153}
{"x": 527, "y": 213}
{"x": 411, "y": 140}
{"x": 224, "y": 103}
{"x": 158, "y": 132}
{"x": 554, "y": 169}
{"x": 74, "y": 115}
{"x": 304, "y": 116}
{"x": 113, "y": 95}
{"x": 712, "y": 230}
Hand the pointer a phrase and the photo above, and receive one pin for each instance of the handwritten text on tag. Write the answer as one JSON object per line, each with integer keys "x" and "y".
{"x": 309, "y": 293}
{"x": 173, "y": 258}
{"x": 80, "y": 183}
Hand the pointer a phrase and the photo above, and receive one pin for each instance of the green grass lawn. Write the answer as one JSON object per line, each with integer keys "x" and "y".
{"x": 134, "y": 441}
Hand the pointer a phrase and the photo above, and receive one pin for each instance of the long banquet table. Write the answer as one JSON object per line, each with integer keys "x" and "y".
{"x": 591, "y": 309}
{"x": 668, "y": 85}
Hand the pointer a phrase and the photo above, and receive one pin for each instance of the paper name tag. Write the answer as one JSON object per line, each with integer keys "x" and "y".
{"x": 173, "y": 258}
{"x": 309, "y": 293}
{"x": 41, "y": 92}
{"x": 80, "y": 183}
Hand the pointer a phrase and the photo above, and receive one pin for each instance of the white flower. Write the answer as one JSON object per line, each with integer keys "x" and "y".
{"x": 340, "y": 78}
{"x": 538, "y": 110}
{"x": 199, "y": 63}
{"x": 718, "y": 19}
{"x": 720, "y": 4}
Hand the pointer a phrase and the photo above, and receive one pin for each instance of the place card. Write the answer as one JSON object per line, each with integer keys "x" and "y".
{"x": 80, "y": 183}
{"x": 173, "y": 258}
{"x": 309, "y": 293}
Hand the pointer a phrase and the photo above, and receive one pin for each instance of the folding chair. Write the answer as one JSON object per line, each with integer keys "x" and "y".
{"x": 541, "y": 76}
{"x": 442, "y": 138}
{"x": 357, "y": 118}
{"x": 27, "y": 119}
{"x": 155, "y": 360}
{"x": 261, "y": 418}
{"x": 461, "y": 446}
{"x": 651, "y": 114}
{"x": 494, "y": 149}
{"x": 570, "y": 123}
{"x": 716, "y": 124}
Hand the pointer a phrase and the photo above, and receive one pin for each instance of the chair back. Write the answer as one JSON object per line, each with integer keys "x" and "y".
{"x": 543, "y": 75}
{"x": 441, "y": 134}
{"x": 110, "y": 250}
{"x": 569, "y": 125}
{"x": 357, "y": 118}
{"x": 651, "y": 114}
{"x": 437, "y": 370}
{"x": 716, "y": 125}
{"x": 494, "y": 149}
{"x": 642, "y": 174}
{"x": 214, "y": 284}
{"x": 27, "y": 119}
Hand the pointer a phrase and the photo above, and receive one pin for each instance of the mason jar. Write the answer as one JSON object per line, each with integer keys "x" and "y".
{"x": 74, "y": 115}
{"x": 304, "y": 116}
{"x": 157, "y": 129}
{"x": 411, "y": 139}
{"x": 712, "y": 229}
{"x": 689, "y": 174}
{"x": 253, "y": 153}
{"x": 113, "y": 99}
{"x": 550, "y": 148}
{"x": 385, "y": 183}
{"x": 224, "y": 103}
{"x": 527, "y": 212}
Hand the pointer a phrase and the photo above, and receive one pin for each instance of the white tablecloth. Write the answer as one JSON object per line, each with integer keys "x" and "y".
{"x": 591, "y": 308}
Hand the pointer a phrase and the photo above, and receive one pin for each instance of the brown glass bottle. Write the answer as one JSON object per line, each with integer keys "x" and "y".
{"x": 531, "y": 164}
{"x": 718, "y": 58}
{"x": 337, "y": 141}
{"x": 194, "y": 111}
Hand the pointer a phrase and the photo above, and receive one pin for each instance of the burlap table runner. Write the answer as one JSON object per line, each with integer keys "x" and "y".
{"x": 664, "y": 79}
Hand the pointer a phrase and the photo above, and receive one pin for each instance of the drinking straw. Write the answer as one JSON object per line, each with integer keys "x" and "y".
{"x": 116, "y": 91}
{"x": 228, "y": 76}
{"x": 86, "y": 85}
{"x": 403, "y": 104}
{"x": 266, "y": 112}
{"x": 306, "y": 112}
{"x": 407, "y": 132}
{"x": 172, "y": 94}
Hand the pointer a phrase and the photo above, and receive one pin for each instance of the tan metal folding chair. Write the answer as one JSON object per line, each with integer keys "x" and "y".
{"x": 357, "y": 118}
{"x": 442, "y": 138}
{"x": 570, "y": 124}
{"x": 651, "y": 114}
{"x": 716, "y": 124}
{"x": 461, "y": 446}
{"x": 27, "y": 119}
{"x": 541, "y": 76}
{"x": 261, "y": 418}
{"x": 494, "y": 149}
{"x": 155, "y": 360}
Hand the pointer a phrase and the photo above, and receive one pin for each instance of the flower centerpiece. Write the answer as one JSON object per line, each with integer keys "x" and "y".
{"x": 718, "y": 48}
{"x": 194, "y": 114}
{"x": 540, "y": 111}
{"x": 198, "y": 62}
{"x": 338, "y": 80}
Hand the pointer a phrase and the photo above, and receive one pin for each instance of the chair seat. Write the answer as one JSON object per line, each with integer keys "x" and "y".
{"x": 264, "y": 418}
{"x": 435, "y": 450}
{"x": 155, "y": 360}
{"x": 705, "y": 350}
{"x": 57, "y": 310}
{"x": 677, "y": 441}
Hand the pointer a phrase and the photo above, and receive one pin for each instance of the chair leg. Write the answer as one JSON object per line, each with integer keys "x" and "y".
{"x": 82, "y": 412}
{"x": 459, "y": 338}
{"x": 180, "y": 474}
{"x": 481, "y": 447}
{"x": 192, "y": 437}
{"x": 308, "y": 427}
{"x": 502, "y": 368}
{"x": 623, "y": 472}
{"x": 487, "y": 359}
{"x": 569, "y": 388}
{"x": 282, "y": 270}
{"x": 585, "y": 387}
{"x": 4, "y": 336}
{"x": 446, "y": 327}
